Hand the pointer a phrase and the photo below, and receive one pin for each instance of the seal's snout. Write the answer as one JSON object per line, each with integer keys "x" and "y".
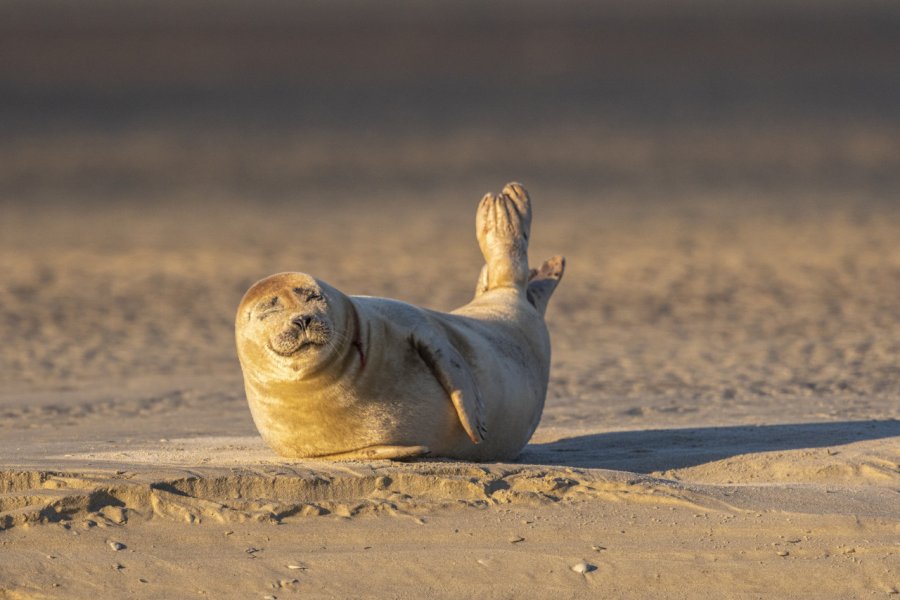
{"x": 299, "y": 332}
{"x": 286, "y": 342}
{"x": 302, "y": 321}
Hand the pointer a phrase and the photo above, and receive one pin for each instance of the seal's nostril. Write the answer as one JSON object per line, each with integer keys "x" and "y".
{"x": 302, "y": 321}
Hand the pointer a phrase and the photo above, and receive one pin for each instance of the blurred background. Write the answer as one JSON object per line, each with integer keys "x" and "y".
{"x": 276, "y": 98}
{"x": 723, "y": 176}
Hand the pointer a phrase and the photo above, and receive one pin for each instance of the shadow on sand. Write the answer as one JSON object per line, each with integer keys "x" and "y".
{"x": 663, "y": 449}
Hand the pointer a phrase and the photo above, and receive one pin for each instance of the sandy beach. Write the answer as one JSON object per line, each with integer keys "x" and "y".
{"x": 723, "y": 415}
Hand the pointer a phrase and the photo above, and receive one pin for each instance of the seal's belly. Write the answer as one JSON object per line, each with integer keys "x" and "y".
{"x": 401, "y": 403}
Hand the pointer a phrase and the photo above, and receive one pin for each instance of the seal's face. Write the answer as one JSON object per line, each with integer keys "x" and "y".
{"x": 287, "y": 321}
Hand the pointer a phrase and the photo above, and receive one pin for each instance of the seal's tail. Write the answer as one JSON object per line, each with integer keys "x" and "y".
{"x": 543, "y": 281}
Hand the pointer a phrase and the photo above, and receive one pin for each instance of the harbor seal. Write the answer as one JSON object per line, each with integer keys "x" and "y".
{"x": 342, "y": 377}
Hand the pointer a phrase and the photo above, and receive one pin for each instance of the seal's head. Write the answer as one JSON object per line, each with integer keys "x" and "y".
{"x": 288, "y": 325}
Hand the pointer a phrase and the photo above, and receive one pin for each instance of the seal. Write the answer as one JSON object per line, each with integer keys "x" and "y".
{"x": 342, "y": 377}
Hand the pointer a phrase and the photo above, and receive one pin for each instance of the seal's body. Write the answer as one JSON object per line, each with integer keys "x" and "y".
{"x": 335, "y": 376}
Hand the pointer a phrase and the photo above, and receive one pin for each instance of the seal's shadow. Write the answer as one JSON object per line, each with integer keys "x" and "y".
{"x": 663, "y": 449}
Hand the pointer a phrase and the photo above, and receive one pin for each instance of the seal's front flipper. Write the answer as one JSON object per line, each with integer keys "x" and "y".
{"x": 379, "y": 453}
{"x": 453, "y": 374}
{"x": 543, "y": 281}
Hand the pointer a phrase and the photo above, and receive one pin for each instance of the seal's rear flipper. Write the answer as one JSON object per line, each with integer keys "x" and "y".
{"x": 543, "y": 281}
{"x": 482, "y": 285}
{"x": 502, "y": 226}
{"x": 452, "y": 373}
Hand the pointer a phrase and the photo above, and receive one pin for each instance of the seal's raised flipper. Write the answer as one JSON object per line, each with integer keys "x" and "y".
{"x": 543, "y": 281}
{"x": 453, "y": 374}
{"x": 502, "y": 225}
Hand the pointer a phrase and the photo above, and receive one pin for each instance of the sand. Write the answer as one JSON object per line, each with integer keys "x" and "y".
{"x": 723, "y": 415}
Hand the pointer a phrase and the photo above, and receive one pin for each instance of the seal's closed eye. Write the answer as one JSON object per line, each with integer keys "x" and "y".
{"x": 307, "y": 294}
{"x": 267, "y": 308}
